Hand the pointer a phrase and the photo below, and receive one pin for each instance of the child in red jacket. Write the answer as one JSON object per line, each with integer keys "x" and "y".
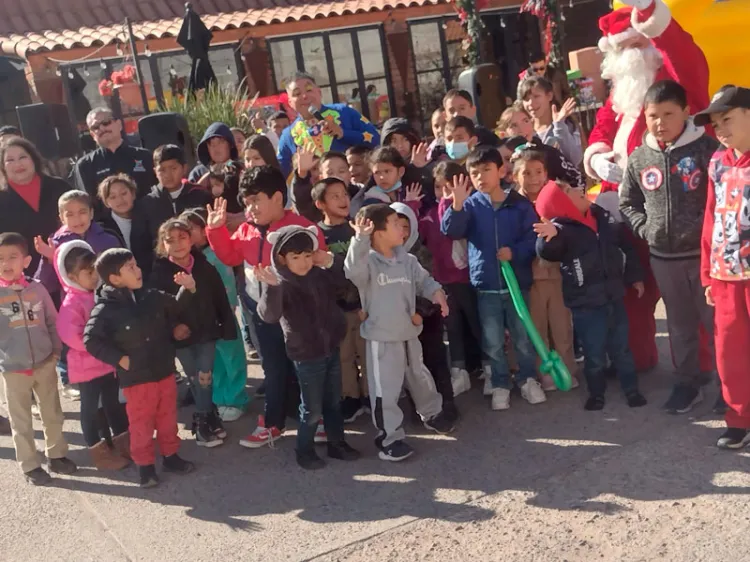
{"x": 725, "y": 255}
{"x": 263, "y": 190}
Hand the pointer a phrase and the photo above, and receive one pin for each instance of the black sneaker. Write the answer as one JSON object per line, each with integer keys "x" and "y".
{"x": 635, "y": 399}
{"x": 733, "y": 438}
{"x": 175, "y": 463}
{"x": 148, "y": 476}
{"x": 441, "y": 423}
{"x": 4, "y": 426}
{"x": 594, "y": 403}
{"x": 37, "y": 477}
{"x": 342, "y": 451}
{"x": 309, "y": 460}
{"x": 396, "y": 452}
{"x": 215, "y": 424}
{"x": 720, "y": 407}
{"x": 204, "y": 435}
{"x": 682, "y": 399}
{"x": 366, "y": 404}
{"x": 351, "y": 409}
{"x": 261, "y": 390}
{"x": 62, "y": 465}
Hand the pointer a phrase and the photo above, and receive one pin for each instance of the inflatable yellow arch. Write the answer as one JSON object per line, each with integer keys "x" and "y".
{"x": 720, "y": 28}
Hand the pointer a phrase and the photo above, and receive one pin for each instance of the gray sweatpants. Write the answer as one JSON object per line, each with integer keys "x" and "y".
{"x": 389, "y": 365}
{"x": 684, "y": 298}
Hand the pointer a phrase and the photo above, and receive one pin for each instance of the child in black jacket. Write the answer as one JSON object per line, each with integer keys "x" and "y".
{"x": 130, "y": 328}
{"x": 299, "y": 292}
{"x": 199, "y": 327}
{"x": 590, "y": 248}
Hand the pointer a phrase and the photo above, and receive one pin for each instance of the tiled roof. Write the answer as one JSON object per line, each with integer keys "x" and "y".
{"x": 33, "y": 26}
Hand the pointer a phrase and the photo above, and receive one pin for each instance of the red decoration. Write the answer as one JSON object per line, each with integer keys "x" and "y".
{"x": 105, "y": 88}
{"x": 117, "y": 78}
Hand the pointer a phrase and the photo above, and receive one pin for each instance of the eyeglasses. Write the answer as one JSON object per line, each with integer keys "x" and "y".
{"x": 96, "y": 126}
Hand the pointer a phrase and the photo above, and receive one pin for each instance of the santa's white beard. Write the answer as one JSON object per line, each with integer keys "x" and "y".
{"x": 632, "y": 72}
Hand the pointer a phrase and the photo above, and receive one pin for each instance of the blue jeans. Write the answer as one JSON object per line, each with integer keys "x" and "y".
{"x": 603, "y": 331}
{"x": 195, "y": 359}
{"x": 320, "y": 389}
{"x": 496, "y": 314}
{"x": 278, "y": 369}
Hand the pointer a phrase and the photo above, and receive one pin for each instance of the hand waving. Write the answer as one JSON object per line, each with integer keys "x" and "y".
{"x": 461, "y": 191}
{"x": 545, "y": 229}
{"x": 419, "y": 155}
{"x": 321, "y": 258}
{"x": 413, "y": 193}
{"x": 305, "y": 160}
{"x": 217, "y": 215}
{"x": 566, "y": 111}
{"x": 362, "y": 226}
{"x": 266, "y": 275}
{"x": 42, "y": 248}
{"x": 185, "y": 280}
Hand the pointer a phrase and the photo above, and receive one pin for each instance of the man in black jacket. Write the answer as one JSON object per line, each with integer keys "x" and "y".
{"x": 130, "y": 328}
{"x": 114, "y": 156}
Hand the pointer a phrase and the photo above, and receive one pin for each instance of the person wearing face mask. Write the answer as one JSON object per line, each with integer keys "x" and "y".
{"x": 460, "y": 138}
{"x": 114, "y": 156}
{"x": 327, "y": 127}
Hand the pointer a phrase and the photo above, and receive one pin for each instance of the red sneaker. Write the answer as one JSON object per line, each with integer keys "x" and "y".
{"x": 320, "y": 433}
{"x": 261, "y": 436}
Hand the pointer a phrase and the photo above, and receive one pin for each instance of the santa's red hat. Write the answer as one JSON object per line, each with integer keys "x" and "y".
{"x": 616, "y": 27}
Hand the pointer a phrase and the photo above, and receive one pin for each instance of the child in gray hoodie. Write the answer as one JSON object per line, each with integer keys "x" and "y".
{"x": 389, "y": 280}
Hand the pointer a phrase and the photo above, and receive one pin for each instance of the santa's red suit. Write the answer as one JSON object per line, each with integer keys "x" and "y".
{"x": 684, "y": 62}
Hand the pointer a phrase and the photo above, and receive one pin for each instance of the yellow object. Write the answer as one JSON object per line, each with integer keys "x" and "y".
{"x": 720, "y": 27}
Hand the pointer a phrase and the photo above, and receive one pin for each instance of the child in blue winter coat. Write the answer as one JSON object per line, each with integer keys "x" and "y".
{"x": 498, "y": 224}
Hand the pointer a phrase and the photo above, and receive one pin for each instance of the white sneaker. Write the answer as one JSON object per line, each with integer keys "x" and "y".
{"x": 532, "y": 392}
{"x": 500, "y": 399}
{"x": 35, "y": 411}
{"x": 486, "y": 372}
{"x": 230, "y": 413}
{"x": 487, "y": 386}
{"x": 460, "y": 381}
{"x": 70, "y": 392}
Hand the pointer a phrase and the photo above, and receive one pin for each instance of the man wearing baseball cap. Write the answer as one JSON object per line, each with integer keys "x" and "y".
{"x": 725, "y": 254}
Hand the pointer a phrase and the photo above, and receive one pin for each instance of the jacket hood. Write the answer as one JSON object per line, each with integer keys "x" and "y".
{"x": 108, "y": 293}
{"x": 216, "y": 130}
{"x": 279, "y": 237}
{"x": 60, "y": 254}
{"x": 553, "y": 203}
{"x": 403, "y": 209}
{"x": 691, "y": 134}
{"x": 401, "y": 126}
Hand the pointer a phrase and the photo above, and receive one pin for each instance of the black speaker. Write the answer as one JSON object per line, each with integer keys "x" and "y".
{"x": 484, "y": 83}
{"x": 49, "y": 127}
{"x": 166, "y": 128}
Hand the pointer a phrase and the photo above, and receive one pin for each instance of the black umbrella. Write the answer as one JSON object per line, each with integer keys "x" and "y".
{"x": 195, "y": 38}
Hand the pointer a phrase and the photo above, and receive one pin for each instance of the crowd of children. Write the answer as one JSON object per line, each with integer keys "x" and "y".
{"x": 349, "y": 273}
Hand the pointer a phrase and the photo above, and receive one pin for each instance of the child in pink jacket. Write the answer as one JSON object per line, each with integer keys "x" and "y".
{"x": 74, "y": 262}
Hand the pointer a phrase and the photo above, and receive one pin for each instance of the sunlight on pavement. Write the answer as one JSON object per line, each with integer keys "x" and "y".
{"x": 382, "y": 478}
{"x": 573, "y": 442}
{"x": 734, "y": 479}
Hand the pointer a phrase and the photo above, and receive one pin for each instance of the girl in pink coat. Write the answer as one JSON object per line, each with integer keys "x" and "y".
{"x": 74, "y": 262}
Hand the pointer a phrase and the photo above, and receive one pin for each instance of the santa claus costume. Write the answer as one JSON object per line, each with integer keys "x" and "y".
{"x": 642, "y": 44}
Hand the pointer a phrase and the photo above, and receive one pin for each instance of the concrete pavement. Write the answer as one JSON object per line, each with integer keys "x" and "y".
{"x": 545, "y": 483}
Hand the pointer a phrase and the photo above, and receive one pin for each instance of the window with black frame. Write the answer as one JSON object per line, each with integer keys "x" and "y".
{"x": 350, "y": 66}
{"x": 165, "y": 76}
{"x": 438, "y": 59}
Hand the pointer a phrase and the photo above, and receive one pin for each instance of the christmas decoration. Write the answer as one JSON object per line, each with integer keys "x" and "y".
{"x": 117, "y": 79}
{"x": 548, "y": 12}
{"x": 468, "y": 15}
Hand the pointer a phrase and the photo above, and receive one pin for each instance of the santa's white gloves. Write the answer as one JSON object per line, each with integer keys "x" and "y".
{"x": 605, "y": 168}
{"x": 638, "y": 4}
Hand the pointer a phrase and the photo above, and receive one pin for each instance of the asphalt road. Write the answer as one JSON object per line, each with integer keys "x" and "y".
{"x": 545, "y": 483}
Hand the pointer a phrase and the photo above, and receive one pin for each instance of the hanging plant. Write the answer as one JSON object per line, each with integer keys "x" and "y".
{"x": 117, "y": 79}
{"x": 546, "y": 11}
{"x": 471, "y": 21}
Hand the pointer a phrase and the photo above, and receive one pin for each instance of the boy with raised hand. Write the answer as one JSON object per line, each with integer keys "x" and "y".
{"x": 263, "y": 191}
{"x": 389, "y": 280}
{"x": 498, "y": 224}
{"x": 663, "y": 197}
